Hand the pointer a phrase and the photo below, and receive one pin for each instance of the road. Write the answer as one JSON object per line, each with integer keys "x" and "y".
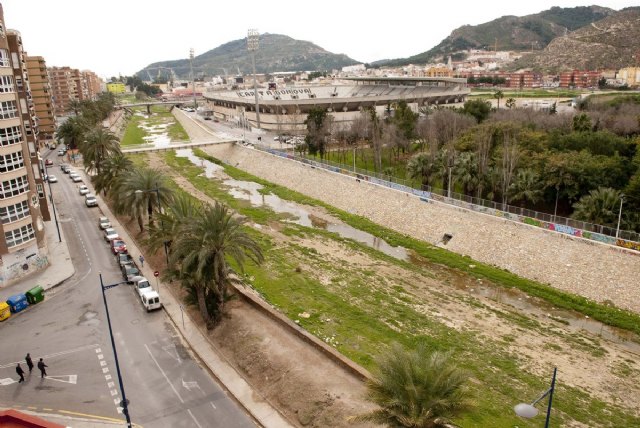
{"x": 164, "y": 383}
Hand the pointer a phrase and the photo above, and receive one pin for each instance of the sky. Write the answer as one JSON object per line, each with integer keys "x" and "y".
{"x": 119, "y": 37}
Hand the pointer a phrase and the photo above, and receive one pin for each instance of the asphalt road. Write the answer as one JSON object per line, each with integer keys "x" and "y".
{"x": 165, "y": 385}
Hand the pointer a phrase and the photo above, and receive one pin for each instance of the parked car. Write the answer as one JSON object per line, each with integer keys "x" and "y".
{"x": 60, "y": 152}
{"x": 129, "y": 271}
{"x": 142, "y": 285}
{"x": 52, "y": 179}
{"x": 76, "y": 178}
{"x": 118, "y": 246}
{"x": 83, "y": 190}
{"x": 110, "y": 234}
{"x": 65, "y": 168}
{"x": 90, "y": 200}
{"x": 104, "y": 223}
{"x": 151, "y": 300}
{"x": 124, "y": 258}
{"x": 48, "y": 162}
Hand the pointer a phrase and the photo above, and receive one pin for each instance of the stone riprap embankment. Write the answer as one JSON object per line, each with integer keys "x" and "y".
{"x": 596, "y": 271}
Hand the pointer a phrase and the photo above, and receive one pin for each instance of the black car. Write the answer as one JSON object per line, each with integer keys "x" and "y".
{"x": 124, "y": 258}
{"x": 129, "y": 271}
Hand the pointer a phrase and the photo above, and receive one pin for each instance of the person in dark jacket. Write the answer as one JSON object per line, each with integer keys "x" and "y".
{"x": 20, "y": 373}
{"x": 42, "y": 366}
{"x": 29, "y": 362}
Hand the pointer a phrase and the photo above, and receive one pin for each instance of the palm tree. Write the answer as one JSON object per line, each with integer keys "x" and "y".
{"x": 498, "y": 95}
{"x": 98, "y": 146}
{"x": 202, "y": 249}
{"x": 182, "y": 210}
{"x": 526, "y": 186}
{"x": 421, "y": 167}
{"x": 465, "y": 171}
{"x": 511, "y": 102}
{"x": 600, "y": 206}
{"x": 418, "y": 389}
{"x": 138, "y": 192}
{"x": 73, "y": 131}
{"x": 112, "y": 171}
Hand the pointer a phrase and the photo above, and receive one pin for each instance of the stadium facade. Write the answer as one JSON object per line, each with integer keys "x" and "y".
{"x": 284, "y": 110}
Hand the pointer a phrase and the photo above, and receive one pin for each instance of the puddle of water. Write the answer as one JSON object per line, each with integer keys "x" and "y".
{"x": 542, "y": 309}
{"x": 249, "y": 191}
{"x": 89, "y": 318}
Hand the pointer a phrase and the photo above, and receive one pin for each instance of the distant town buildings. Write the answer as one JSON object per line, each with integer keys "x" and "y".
{"x": 42, "y": 100}
{"x": 69, "y": 85}
{"x": 116, "y": 87}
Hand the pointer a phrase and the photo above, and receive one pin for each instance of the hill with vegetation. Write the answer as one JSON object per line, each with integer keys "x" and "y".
{"x": 276, "y": 53}
{"x": 509, "y": 33}
{"x": 613, "y": 42}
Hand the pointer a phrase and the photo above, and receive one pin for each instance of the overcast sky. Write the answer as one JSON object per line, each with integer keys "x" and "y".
{"x": 122, "y": 37}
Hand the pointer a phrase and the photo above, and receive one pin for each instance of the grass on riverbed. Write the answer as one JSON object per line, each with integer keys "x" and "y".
{"x": 134, "y": 134}
{"x": 358, "y": 316}
{"x": 606, "y": 314}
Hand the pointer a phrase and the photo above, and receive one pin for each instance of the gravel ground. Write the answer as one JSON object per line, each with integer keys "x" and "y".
{"x": 597, "y": 271}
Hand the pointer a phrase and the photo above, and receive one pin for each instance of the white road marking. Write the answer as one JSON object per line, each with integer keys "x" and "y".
{"x": 108, "y": 377}
{"x": 190, "y": 385}
{"x": 103, "y": 363}
{"x": 171, "y": 350}
{"x": 55, "y": 354}
{"x": 111, "y": 384}
{"x": 194, "y": 418}
{"x": 7, "y": 381}
{"x": 73, "y": 379}
{"x": 105, "y": 370}
{"x": 213, "y": 405}
{"x": 114, "y": 392}
{"x": 100, "y": 356}
{"x": 98, "y": 351}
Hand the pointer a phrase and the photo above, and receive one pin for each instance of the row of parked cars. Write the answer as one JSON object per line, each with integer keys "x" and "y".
{"x": 130, "y": 271}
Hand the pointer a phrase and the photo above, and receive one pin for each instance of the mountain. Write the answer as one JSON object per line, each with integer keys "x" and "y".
{"x": 612, "y": 42}
{"x": 276, "y": 52}
{"x": 509, "y": 33}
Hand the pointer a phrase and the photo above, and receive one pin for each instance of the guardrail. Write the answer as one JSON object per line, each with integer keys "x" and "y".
{"x": 603, "y": 234}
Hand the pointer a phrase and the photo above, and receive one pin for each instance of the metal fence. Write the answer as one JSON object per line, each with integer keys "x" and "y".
{"x": 595, "y": 232}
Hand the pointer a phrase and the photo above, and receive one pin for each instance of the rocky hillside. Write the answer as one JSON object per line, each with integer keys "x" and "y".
{"x": 612, "y": 42}
{"x": 276, "y": 53}
{"x": 510, "y": 33}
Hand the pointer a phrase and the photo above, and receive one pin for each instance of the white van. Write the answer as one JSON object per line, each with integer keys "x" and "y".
{"x": 151, "y": 300}
{"x": 142, "y": 285}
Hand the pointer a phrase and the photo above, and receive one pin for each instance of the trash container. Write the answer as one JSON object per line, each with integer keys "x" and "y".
{"x": 5, "y": 311}
{"x": 35, "y": 295}
{"x": 17, "y": 302}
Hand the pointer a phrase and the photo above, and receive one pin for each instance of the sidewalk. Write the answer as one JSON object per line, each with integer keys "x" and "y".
{"x": 261, "y": 410}
{"x": 60, "y": 266}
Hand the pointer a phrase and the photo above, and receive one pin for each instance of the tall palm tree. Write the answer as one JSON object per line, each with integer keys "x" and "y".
{"x": 98, "y": 146}
{"x": 418, "y": 389}
{"x": 112, "y": 171}
{"x": 421, "y": 167}
{"x": 526, "y": 187}
{"x": 465, "y": 171}
{"x": 202, "y": 250}
{"x": 140, "y": 193}
{"x": 498, "y": 95}
{"x": 600, "y": 206}
{"x": 183, "y": 209}
{"x": 73, "y": 131}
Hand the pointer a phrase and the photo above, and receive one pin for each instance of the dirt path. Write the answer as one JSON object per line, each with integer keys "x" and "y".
{"x": 313, "y": 391}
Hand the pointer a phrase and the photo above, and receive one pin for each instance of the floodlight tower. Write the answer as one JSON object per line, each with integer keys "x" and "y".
{"x": 193, "y": 79}
{"x": 252, "y": 46}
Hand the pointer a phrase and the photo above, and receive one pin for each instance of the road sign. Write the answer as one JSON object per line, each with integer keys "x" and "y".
{"x": 156, "y": 274}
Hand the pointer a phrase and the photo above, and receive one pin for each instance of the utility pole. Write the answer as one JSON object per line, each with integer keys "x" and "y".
{"x": 252, "y": 46}
{"x": 193, "y": 79}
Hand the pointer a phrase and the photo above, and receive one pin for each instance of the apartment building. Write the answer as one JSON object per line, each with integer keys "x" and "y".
{"x": 42, "y": 99}
{"x": 579, "y": 79}
{"x": 22, "y": 240}
{"x": 63, "y": 89}
{"x": 93, "y": 84}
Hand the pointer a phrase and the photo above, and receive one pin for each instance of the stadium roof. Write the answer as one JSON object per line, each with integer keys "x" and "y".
{"x": 407, "y": 79}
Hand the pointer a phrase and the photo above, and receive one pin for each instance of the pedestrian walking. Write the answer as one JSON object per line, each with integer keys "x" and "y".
{"x": 141, "y": 260}
{"x": 42, "y": 366}
{"x": 20, "y": 373}
{"x": 29, "y": 362}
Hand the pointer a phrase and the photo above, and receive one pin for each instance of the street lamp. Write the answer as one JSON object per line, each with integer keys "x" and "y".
{"x": 193, "y": 79}
{"x": 157, "y": 192}
{"x": 619, "y": 215}
{"x": 53, "y": 204}
{"x": 252, "y": 46}
{"x": 124, "y": 403}
{"x": 528, "y": 411}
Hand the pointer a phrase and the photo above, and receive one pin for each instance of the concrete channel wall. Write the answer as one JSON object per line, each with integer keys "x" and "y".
{"x": 599, "y": 272}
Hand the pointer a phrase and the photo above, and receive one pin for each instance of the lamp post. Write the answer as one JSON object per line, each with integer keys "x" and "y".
{"x": 157, "y": 191}
{"x": 252, "y": 46}
{"x": 124, "y": 403}
{"x": 53, "y": 204}
{"x": 193, "y": 79}
{"x": 619, "y": 215}
{"x": 528, "y": 411}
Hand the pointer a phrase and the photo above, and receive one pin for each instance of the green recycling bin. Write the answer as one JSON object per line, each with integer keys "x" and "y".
{"x": 35, "y": 295}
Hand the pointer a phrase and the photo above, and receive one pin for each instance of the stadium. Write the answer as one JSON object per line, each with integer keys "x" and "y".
{"x": 285, "y": 110}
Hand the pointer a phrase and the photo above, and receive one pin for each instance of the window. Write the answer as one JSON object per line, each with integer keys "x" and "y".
{"x": 4, "y": 58}
{"x": 8, "y": 109}
{"x": 14, "y": 212}
{"x": 11, "y": 161}
{"x": 14, "y": 187}
{"x": 40, "y": 188}
{"x": 19, "y": 236}
{"x": 11, "y": 135}
{"x": 6, "y": 84}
